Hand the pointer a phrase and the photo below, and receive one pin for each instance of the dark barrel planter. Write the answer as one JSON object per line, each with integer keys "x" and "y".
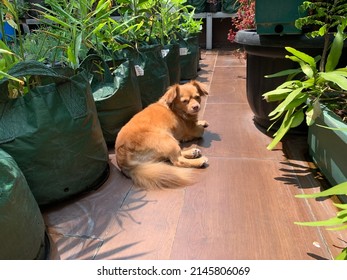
{"x": 266, "y": 55}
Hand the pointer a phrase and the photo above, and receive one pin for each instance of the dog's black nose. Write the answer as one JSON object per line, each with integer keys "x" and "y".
{"x": 196, "y": 107}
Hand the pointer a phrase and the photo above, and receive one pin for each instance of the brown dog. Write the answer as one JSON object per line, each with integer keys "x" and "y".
{"x": 152, "y": 137}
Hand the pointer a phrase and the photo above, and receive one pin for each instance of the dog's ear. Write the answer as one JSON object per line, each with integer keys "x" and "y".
{"x": 170, "y": 94}
{"x": 200, "y": 87}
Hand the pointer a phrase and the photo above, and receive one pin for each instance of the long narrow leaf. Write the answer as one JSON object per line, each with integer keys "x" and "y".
{"x": 285, "y": 126}
{"x": 295, "y": 94}
{"x": 284, "y": 73}
{"x": 342, "y": 255}
{"x": 303, "y": 56}
{"x": 327, "y": 223}
{"x": 339, "y": 189}
{"x": 276, "y": 95}
{"x": 3, "y": 74}
{"x": 335, "y": 50}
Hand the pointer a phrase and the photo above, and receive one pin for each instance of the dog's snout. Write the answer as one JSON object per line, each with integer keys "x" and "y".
{"x": 196, "y": 107}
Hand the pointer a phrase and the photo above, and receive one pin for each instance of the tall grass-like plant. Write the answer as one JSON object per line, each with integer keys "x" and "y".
{"x": 158, "y": 21}
{"x": 173, "y": 17}
{"x": 79, "y": 26}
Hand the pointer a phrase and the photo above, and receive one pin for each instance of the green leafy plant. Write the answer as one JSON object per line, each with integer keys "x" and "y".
{"x": 173, "y": 17}
{"x": 339, "y": 222}
{"x": 318, "y": 80}
{"x": 157, "y": 21}
{"x": 12, "y": 51}
{"x": 300, "y": 98}
{"x": 323, "y": 18}
{"x": 189, "y": 26}
{"x": 79, "y": 26}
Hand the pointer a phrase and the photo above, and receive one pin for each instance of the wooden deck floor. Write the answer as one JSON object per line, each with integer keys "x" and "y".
{"x": 242, "y": 208}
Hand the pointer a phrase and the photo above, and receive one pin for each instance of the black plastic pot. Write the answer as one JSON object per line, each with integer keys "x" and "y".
{"x": 266, "y": 55}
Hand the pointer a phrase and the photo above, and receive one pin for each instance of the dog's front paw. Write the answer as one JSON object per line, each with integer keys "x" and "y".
{"x": 196, "y": 153}
{"x": 202, "y": 123}
{"x": 204, "y": 161}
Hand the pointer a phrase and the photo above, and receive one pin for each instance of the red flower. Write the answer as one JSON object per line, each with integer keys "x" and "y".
{"x": 244, "y": 18}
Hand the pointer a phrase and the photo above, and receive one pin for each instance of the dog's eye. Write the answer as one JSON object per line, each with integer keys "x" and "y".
{"x": 197, "y": 97}
{"x": 185, "y": 101}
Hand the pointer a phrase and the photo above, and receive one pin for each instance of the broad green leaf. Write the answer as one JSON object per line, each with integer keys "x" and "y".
{"x": 341, "y": 81}
{"x": 276, "y": 95}
{"x": 302, "y": 56}
{"x": 313, "y": 111}
{"x": 339, "y": 189}
{"x": 290, "y": 84}
{"x": 307, "y": 69}
{"x": 342, "y": 255}
{"x": 298, "y": 118}
{"x": 295, "y": 94}
{"x": 341, "y": 206}
{"x": 342, "y": 214}
{"x": 297, "y": 102}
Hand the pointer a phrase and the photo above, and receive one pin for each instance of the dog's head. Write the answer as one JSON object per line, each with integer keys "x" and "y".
{"x": 185, "y": 98}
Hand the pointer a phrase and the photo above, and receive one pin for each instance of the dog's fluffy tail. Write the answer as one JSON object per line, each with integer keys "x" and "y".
{"x": 154, "y": 175}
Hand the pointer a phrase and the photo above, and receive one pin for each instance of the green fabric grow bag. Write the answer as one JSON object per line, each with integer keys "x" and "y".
{"x": 171, "y": 55}
{"x": 22, "y": 234}
{"x": 116, "y": 95}
{"x": 199, "y": 5}
{"x": 151, "y": 71}
{"x": 189, "y": 57}
{"x": 53, "y": 133}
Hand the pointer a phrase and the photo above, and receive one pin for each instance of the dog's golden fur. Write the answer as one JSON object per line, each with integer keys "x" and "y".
{"x": 151, "y": 139}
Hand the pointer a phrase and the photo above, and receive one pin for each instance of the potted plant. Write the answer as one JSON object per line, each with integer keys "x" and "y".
{"x": 114, "y": 85}
{"x": 145, "y": 51}
{"x": 317, "y": 93}
{"x": 266, "y": 54}
{"x": 178, "y": 29}
{"x": 188, "y": 33}
{"x": 168, "y": 15}
{"x": 49, "y": 121}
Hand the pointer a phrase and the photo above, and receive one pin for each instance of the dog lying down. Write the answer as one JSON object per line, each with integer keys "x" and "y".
{"x": 147, "y": 147}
